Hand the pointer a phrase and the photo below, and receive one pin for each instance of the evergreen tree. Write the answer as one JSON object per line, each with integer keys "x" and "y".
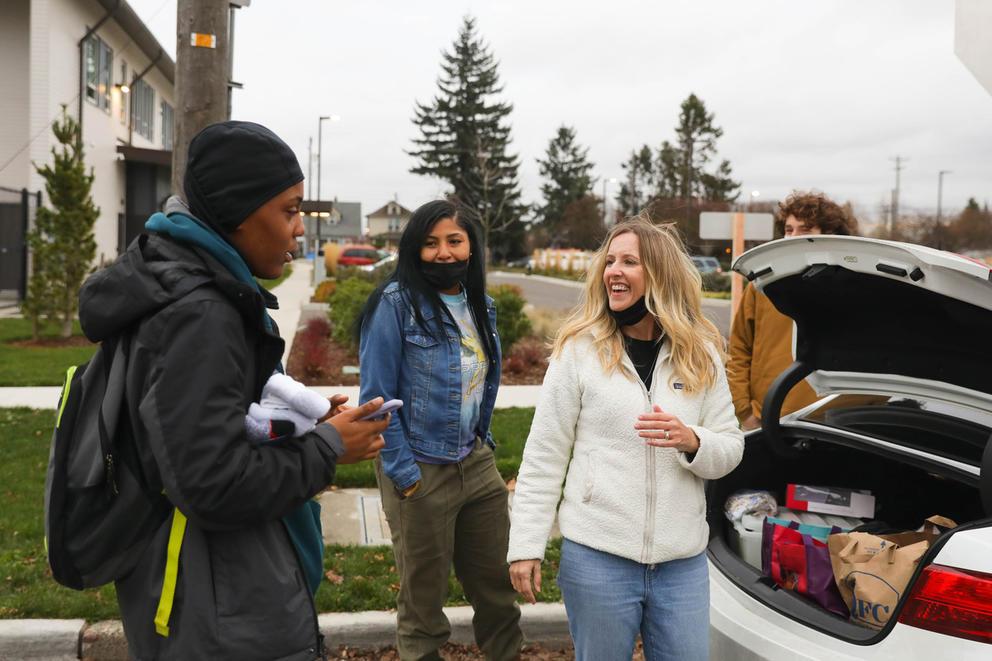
{"x": 971, "y": 230}
{"x": 465, "y": 137}
{"x": 668, "y": 180}
{"x": 62, "y": 243}
{"x": 697, "y": 136}
{"x": 567, "y": 171}
{"x": 634, "y": 190}
{"x": 667, "y": 173}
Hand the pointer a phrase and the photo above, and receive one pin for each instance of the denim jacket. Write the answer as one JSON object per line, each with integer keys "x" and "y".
{"x": 399, "y": 360}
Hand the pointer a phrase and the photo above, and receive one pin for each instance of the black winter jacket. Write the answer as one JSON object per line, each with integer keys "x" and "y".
{"x": 199, "y": 355}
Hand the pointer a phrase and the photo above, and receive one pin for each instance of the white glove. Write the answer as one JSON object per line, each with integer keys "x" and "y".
{"x": 282, "y": 391}
{"x": 283, "y": 398}
{"x": 258, "y": 429}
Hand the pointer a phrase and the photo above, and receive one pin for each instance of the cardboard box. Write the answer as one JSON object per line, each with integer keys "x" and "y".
{"x": 845, "y": 523}
{"x": 830, "y": 500}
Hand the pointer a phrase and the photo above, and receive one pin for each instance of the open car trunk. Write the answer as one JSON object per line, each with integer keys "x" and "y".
{"x": 896, "y": 338}
{"x": 907, "y": 490}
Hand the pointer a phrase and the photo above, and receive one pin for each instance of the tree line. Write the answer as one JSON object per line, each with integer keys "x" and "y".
{"x": 464, "y": 139}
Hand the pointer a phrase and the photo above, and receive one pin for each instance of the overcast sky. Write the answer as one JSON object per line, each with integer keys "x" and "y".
{"x": 820, "y": 94}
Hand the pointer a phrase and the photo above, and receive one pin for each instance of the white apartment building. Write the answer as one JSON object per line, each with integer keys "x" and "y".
{"x": 98, "y": 59}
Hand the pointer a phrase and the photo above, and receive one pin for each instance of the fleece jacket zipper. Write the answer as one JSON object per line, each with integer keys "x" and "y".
{"x": 647, "y": 542}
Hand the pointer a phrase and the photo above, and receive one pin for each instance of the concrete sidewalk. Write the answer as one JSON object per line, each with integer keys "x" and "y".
{"x": 348, "y": 516}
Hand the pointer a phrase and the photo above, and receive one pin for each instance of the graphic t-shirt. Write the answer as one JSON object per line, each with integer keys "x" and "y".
{"x": 474, "y": 369}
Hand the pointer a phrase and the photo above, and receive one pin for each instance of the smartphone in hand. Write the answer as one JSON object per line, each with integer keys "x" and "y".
{"x": 387, "y": 407}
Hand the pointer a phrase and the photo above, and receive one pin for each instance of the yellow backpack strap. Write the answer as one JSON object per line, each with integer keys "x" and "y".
{"x": 65, "y": 393}
{"x": 168, "y": 595}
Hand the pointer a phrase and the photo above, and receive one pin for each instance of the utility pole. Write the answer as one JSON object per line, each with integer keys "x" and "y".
{"x": 688, "y": 188}
{"x": 940, "y": 193}
{"x": 310, "y": 169}
{"x": 320, "y": 144}
{"x": 606, "y": 218}
{"x": 201, "y": 75}
{"x": 895, "y": 195}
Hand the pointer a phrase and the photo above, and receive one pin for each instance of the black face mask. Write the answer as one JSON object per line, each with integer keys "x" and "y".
{"x": 444, "y": 275}
{"x": 631, "y": 315}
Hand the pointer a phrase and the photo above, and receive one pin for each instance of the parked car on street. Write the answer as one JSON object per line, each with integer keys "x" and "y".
{"x": 525, "y": 262}
{"x": 896, "y": 340}
{"x": 386, "y": 257}
{"x": 706, "y": 264}
{"x": 357, "y": 255}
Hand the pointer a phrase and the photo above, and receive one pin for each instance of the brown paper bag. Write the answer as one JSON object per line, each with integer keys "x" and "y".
{"x": 873, "y": 571}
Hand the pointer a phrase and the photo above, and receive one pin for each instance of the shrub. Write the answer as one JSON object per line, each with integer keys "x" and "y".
{"x": 324, "y": 291}
{"x": 511, "y": 322}
{"x": 554, "y": 272}
{"x": 313, "y": 343}
{"x": 346, "y": 304}
{"x": 716, "y": 282}
{"x": 376, "y": 276}
{"x": 545, "y": 322}
{"x": 350, "y": 271}
{"x": 528, "y": 353}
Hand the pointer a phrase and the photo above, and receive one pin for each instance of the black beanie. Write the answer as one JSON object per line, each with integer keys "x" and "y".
{"x": 232, "y": 169}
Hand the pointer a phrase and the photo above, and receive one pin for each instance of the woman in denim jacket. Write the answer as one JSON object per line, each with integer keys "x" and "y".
{"x": 428, "y": 338}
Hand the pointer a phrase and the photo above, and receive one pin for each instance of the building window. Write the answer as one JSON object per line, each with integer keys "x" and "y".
{"x": 125, "y": 98}
{"x": 99, "y": 58}
{"x": 144, "y": 109}
{"x": 395, "y": 224}
{"x": 167, "y": 124}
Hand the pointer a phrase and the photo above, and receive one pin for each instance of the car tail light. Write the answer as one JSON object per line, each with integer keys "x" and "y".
{"x": 956, "y": 602}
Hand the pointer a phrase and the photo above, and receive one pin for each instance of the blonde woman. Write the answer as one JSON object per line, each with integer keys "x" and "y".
{"x": 636, "y": 395}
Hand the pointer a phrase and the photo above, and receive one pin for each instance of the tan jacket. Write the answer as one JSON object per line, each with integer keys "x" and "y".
{"x": 760, "y": 350}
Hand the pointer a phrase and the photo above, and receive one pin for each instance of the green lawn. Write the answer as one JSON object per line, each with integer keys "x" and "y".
{"x": 46, "y": 366}
{"x": 364, "y": 578}
{"x": 37, "y": 366}
{"x": 271, "y": 284}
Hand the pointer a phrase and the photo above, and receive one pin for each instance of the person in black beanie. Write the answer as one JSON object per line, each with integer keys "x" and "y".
{"x": 231, "y": 569}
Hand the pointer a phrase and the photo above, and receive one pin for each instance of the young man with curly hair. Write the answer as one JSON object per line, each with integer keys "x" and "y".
{"x": 760, "y": 335}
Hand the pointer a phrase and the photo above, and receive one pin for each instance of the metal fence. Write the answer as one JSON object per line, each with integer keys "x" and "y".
{"x": 17, "y": 212}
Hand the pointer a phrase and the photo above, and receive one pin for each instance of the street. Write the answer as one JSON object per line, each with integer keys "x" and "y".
{"x": 562, "y": 295}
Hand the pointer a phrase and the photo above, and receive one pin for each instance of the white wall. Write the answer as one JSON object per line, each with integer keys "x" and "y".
{"x": 973, "y": 38}
{"x": 67, "y": 22}
{"x": 14, "y": 93}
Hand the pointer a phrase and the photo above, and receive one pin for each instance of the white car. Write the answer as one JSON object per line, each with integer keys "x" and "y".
{"x": 897, "y": 341}
{"x": 384, "y": 259}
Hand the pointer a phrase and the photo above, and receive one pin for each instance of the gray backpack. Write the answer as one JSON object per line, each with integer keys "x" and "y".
{"x": 99, "y": 514}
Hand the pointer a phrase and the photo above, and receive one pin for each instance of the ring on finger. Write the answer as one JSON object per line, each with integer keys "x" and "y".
{"x": 667, "y": 435}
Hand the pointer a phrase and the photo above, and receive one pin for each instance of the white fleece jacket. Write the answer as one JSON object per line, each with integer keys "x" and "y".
{"x": 622, "y": 496}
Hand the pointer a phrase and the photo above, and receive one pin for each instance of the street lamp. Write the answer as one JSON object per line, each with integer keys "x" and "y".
{"x": 754, "y": 194}
{"x": 611, "y": 180}
{"x": 320, "y": 145}
{"x": 940, "y": 192}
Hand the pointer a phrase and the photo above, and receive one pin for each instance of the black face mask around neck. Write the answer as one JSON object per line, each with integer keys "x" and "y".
{"x": 444, "y": 275}
{"x": 630, "y": 315}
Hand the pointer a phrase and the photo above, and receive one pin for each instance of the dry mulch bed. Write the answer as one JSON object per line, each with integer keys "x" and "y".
{"x": 456, "y": 652}
{"x": 525, "y": 365}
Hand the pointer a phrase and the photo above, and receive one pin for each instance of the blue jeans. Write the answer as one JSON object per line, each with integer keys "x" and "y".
{"x": 609, "y": 600}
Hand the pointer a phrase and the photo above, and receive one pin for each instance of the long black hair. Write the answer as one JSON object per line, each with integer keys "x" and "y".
{"x": 413, "y": 285}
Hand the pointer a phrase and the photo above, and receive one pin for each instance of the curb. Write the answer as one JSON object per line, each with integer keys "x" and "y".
{"x": 68, "y": 640}
{"x": 40, "y": 640}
